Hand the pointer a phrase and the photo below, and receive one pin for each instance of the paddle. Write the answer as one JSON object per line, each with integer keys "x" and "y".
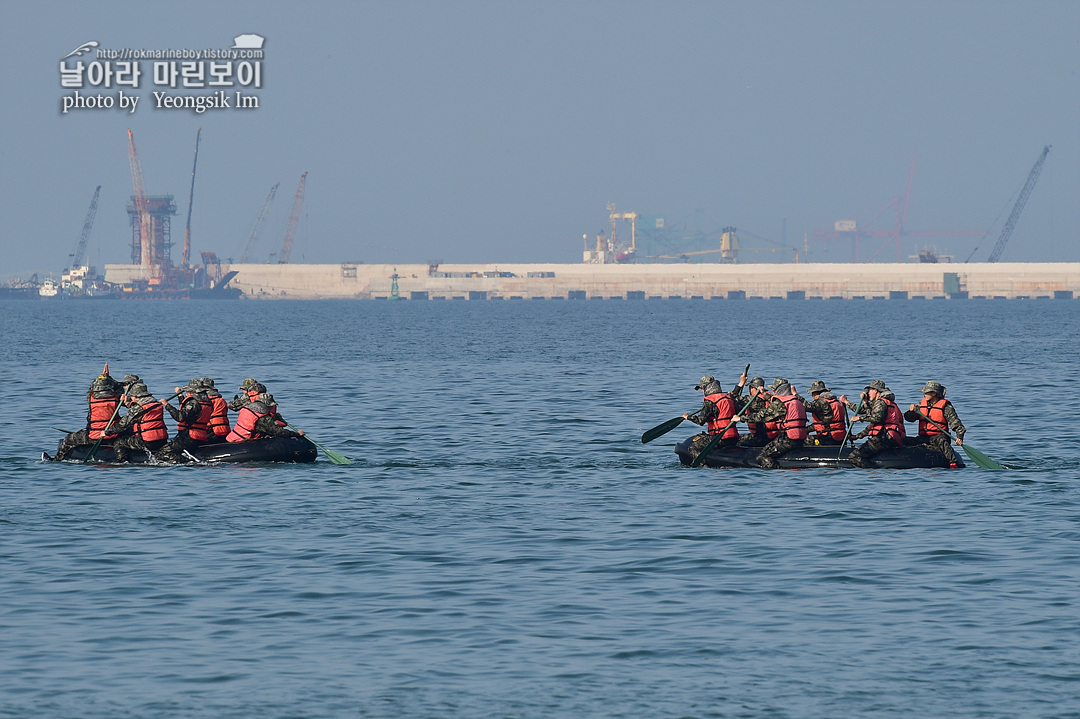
{"x": 847, "y": 434}
{"x": 700, "y": 459}
{"x": 973, "y": 454}
{"x": 61, "y": 430}
{"x": 333, "y": 456}
{"x": 661, "y": 429}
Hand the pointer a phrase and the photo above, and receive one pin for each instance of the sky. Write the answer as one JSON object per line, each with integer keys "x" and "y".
{"x": 475, "y": 132}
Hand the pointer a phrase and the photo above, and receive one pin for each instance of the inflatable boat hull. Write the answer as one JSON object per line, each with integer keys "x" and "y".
{"x": 268, "y": 449}
{"x": 813, "y": 457}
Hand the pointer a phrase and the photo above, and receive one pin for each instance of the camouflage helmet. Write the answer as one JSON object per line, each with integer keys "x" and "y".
{"x": 130, "y": 379}
{"x": 781, "y": 387}
{"x": 757, "y": 382}
{"x": 104, "y": 383}
{"x": 888, "y": 394}
{"x": 249, "y": 383}
{"x": 258, "y": 387}
{"x": 138, "y": 389}
{"x": 705, "y": 382}
{"x": 267, "y": 399}
{"x": 934, "y": 387}
{"x": 206, "y": 382}
{"x": 818, "y": 386}
{"x": 877, "y": 384}
{"x": 779, "y": 381}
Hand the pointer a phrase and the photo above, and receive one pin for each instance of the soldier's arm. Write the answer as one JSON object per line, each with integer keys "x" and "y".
{"x": 173, "y": 412}
{"x": 266, "y": 425}
{"x": 769, "y": 413}
{"x": 237, "y": 403}
{"x": 954, "y": 422}
{"x": 708, "y": 411}
{"x": 135, "y": 410}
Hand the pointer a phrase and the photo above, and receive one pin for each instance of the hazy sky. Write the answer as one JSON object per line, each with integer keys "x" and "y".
{"x": 499, "y": 131}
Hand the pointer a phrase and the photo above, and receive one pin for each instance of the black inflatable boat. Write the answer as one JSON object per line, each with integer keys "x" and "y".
{"x": 811, "y": 457}
{"x": 268, "y": 449}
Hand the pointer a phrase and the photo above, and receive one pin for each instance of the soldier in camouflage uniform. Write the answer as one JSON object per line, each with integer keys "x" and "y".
{"x": 188, "y": 413}
{"x": 776, "y": 411}
{"x": 710, "y": 412}
{"x": 876, "y": 410}
{"x": 759, "y": 399}
{"x": 103, "y": 387}
{"x": 250, "y": 389}
{"x": 939, "y": 409}
{"x": 822, "y": 409}
{"x": 137, "y": 400}
{"x": 266, "y": 425}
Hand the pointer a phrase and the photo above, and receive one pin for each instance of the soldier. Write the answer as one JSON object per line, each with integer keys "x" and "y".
{"x": 218, "y": 426}
{"x": 787, "y": 412}
{"x": 716, "y": 412}
{"x": 757, "y": 434}
{"x": 145, "y": 418}
{"x": 250, "y": 389}
{"x": 885, "y": 428}
{"x": 103, "y": 398}
{"x": 830, "y": 417}
{"x": 258, "y": 419}
{"x": 935, "y": 407}
{"x": 191, "y": 418}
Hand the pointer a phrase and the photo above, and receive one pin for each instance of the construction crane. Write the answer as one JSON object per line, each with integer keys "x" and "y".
{"x": 258, "y": 224}
{"x": 294, "y": 220}
{"x": 1025, "y": 193}
{"x": 191, "y": 196}
{"x": 142, "y": 207}
{"x": 88, "y": 224}
{"x": 628, "y": 255}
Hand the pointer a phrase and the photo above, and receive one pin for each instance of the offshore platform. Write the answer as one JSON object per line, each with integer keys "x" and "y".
{"x": 151, "y": 246}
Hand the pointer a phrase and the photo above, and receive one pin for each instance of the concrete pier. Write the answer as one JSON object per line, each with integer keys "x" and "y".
{"x": 807, "y": 281}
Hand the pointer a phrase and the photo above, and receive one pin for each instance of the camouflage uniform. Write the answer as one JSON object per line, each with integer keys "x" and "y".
{"x": 239, "y": 401}
{"x": 755, "y": 404}
{"x": 822, "y": 411}
{"x": 774, "y": 411}
{"x": 131, "y": 441}
{"x": 879, "y": 443}
{"x": 938, "y": 442}
{"x": 102, "y": 388}
{"x": 706, "y": 414}
{"x": 188, "y": 413}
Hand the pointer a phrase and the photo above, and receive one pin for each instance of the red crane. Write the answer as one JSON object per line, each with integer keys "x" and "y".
{"x": 142, "y": 207}
{"x": 854, "y": 231}
{"x": 294, "y": 220}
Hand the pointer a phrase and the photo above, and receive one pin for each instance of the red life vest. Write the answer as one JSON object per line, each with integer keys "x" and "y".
{"x": 794, "y": 422}
{"x": 837, "y": 429}
{"x": 244, "y": 429}
{"x": 725, "y": 405}
{"x": 101, "y": 411}
{"x": 893, "y": 424}
{"x": 197, "y": 429}
{"x": 936, "y": 412}
{"x": 219, "y": 418}
{"x": 150, "y": 426}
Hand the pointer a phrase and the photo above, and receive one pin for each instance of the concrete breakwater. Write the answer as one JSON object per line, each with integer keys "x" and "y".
{"x": 655, "y": 281}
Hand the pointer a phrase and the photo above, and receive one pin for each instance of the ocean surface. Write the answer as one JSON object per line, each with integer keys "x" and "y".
{"x": 503, "y": 544}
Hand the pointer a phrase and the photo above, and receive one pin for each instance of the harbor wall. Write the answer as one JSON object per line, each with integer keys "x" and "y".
{"x": 650, "y": 281}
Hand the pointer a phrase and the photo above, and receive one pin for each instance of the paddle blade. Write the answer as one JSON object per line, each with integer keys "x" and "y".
{"x": 660, "y": 430}
{"x": 334, "y": 457}
{"x": 980, "y": 459}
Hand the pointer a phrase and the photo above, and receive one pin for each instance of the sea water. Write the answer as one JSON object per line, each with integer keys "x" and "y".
{"x": 504, "y": 545}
